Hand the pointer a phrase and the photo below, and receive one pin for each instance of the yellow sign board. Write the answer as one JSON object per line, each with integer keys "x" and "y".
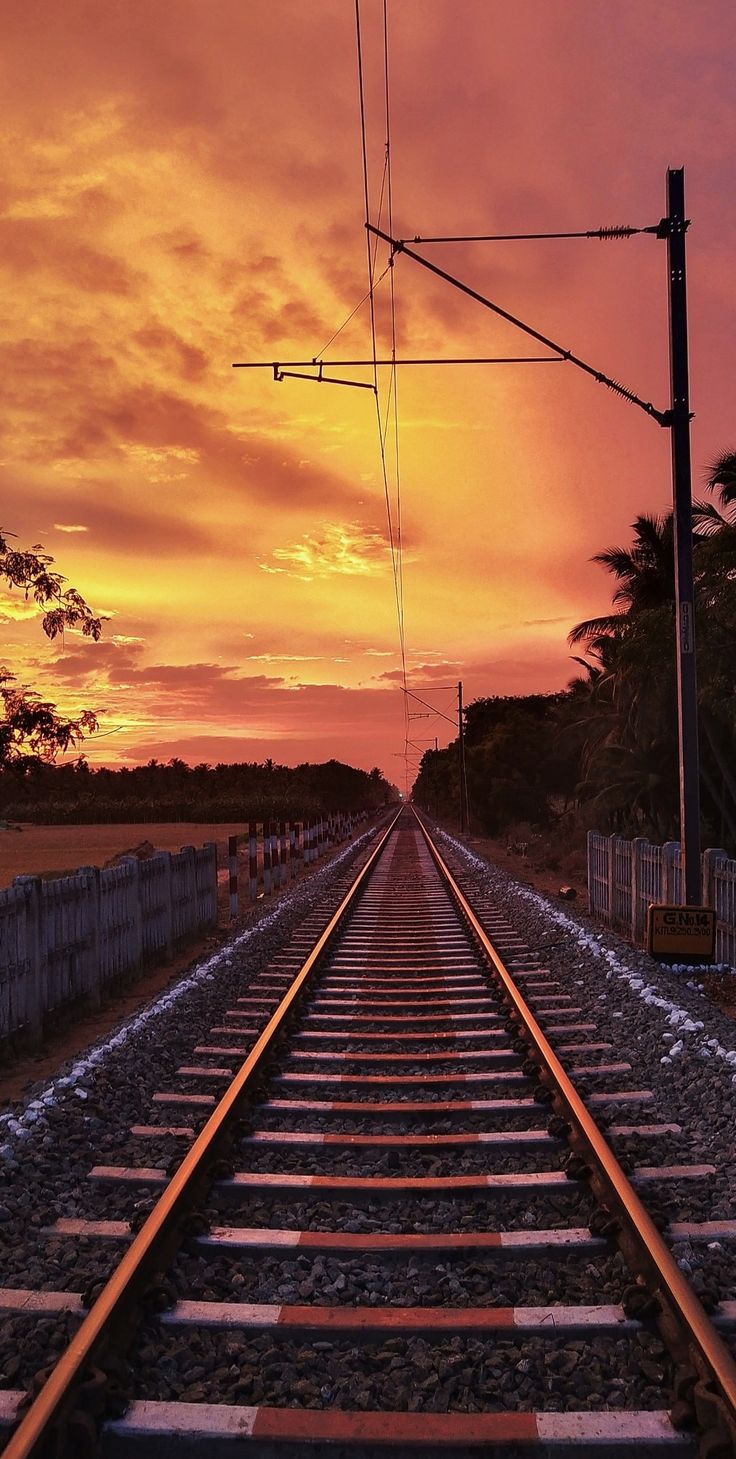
{"x": 682, "y": 932}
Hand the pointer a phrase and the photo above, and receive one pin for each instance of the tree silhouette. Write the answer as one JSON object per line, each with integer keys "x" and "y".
{"x": 31, "y": 728}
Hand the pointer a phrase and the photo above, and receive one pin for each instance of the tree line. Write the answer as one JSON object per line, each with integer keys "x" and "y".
{"x": 603, "y": 753}
{"x": 76, "y": 793}
{"x": 33, "y": 734}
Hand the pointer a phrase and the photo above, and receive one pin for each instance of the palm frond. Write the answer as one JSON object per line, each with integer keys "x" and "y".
{"x": 721, "y": 475}
{"x": 595, "y": 628}
{"x": 708, "y": 519}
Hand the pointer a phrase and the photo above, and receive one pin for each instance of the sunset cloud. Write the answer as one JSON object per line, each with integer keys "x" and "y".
{"x": 16, "y": 608}
{"x": 347, "y": 550}
{"x": 182, "y": 189}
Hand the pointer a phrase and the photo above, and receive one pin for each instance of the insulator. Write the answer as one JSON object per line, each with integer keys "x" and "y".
{"x": 617, "y": 230}
{"x": 616, "y": 386}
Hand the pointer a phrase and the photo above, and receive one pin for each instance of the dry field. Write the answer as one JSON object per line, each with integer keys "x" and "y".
{"x": 58, "y": 850}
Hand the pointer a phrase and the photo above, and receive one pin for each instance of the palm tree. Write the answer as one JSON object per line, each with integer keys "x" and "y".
{"x": 722, "y": 474}
{"x": 631, "y": 708}
{"x": 645, "y": 573}
{"x": 628, "y": 723}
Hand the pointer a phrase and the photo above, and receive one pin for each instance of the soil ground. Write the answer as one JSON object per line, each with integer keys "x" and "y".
{"x": 543, "y": 865}
{"x": 57, "y": 850}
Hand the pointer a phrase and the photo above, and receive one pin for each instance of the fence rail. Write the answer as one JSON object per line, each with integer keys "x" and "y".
{"x": 71, "y": 937}
{"x": 624, "y": 877}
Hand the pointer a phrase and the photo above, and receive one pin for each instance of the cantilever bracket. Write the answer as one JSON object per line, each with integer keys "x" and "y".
{"x": 320, "y": 378}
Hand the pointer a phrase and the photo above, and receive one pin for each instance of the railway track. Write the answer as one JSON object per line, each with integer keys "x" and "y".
{"x": 373, "y": 1214}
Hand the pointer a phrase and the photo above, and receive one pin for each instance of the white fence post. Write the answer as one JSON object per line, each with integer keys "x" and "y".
{"x": 611, "y": 840}
{"x": 164, "y": 857}
{"x": 637, "y": 865}
{"x": 94, "y": 934}
{"x": 134, "y": 909}
{"x": 36, "y": 947}
{"x": 190, "y": 882}
{"x": 669, "y": 856}
{"x": 711, "y": 857}
{"x": 211, "y": 920}
{"x": 589, "y": 855}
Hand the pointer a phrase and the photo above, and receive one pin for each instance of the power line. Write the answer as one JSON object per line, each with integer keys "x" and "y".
{"x": 351, "y": 315}
{"x": 663, "y": 417}
{"x": 365, "y": 185}
{"x": 394, "y": 544}
{"x": 460, "y": 360}
{"x": 617, "y": 230}
{"x": 392, "y": 295}
{"x": 394, "y": 378}
{"x": 438, "y": 712}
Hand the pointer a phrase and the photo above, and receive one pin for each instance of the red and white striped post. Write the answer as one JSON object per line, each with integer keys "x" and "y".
{"x": 253, "y": 860}
{"x": 283, "y": 853}
{"x": 267, "y": 858}
{"x": 232, "y": 862}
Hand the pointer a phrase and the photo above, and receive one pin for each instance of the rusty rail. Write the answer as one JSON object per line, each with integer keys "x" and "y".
{"x": 707, "y": 1385}
{"x": 116, "y": 1312}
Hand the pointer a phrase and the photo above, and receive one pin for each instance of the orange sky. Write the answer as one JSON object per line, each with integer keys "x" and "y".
{"x": 182, "y": 188}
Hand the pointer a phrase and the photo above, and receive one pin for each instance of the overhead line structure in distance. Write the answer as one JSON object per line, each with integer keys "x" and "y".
{"x": 278, "y": 365}
{"x": 672, "y": 229}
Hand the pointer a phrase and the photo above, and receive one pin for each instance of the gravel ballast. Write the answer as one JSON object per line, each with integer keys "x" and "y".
{"x": 675, "y": 1043}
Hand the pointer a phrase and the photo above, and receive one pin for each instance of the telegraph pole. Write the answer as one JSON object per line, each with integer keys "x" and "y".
{"x": 461, "y": 748}
{"x": 674, "y": 227}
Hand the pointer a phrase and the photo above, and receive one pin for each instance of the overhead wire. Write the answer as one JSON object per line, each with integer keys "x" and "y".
{"x": 394, "y": 545}
{"x": 352, "y": 313}
{"x": 394, "y": 377}
{"x": 606, "y": 235}
{"x": 366, "y": 197}
{"x": 372, "y": 287}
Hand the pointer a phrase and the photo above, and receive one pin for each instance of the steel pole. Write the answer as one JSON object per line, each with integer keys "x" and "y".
{"x": 687, "y": 692}
{"x": 461, "y": 748}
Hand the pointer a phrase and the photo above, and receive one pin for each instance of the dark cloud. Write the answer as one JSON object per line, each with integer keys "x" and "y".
{"x": 28, "y": 246}
{"x": 116, "y": 527}
{"x": 418, "y": 674}
{"x": 183, "y": 244}
{"x": 186, "y": 360}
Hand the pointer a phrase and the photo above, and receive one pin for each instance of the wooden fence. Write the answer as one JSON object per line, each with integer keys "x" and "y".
{"x": 625, "y": 876}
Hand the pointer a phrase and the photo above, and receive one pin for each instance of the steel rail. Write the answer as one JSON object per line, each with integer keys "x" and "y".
{"x": 117, "y": 1307}
{"x": 683, "y": 1321}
